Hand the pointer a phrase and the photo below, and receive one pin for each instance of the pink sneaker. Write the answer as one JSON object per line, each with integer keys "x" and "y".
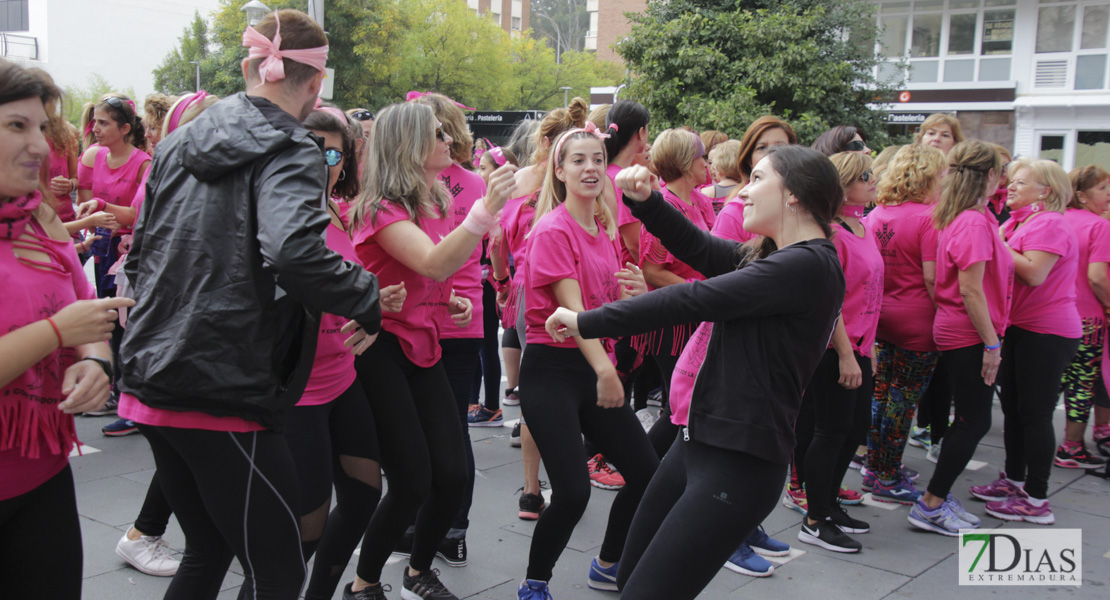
{"x": 1018, "y": 508}
{"x": 998, "y": 490}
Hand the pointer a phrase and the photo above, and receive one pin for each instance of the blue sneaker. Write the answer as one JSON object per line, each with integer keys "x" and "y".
{"x": 747, "y": 562}
{"x": 920, "y": 438}
{"x": 940, "y": 520}
{"x": 765, "y": 545}
{"x": 899, "y": 492}
{"x": 532, "y": 589}
{"x": 961, "y": 512}
{"x": 910, "y": 474}
{"x": 601, "y": 578}
{"x": 869, "y": 479}
{"x": 120, "y": 428}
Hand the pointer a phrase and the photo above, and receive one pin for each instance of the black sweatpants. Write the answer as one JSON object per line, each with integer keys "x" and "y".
{"x": 422, "y": 454}
{"x": 234, "y": 494}
{"x": 832, "y": 423}
{"x": 559, "y": 401}
{"x": 1032, "y": 366}
{"x": 41, "y": 555}
{"x": 461, "y": 360}
{"x": 972, "y": 399}
{"x": 490, "y": 372}
{"x": 701, "y": 504}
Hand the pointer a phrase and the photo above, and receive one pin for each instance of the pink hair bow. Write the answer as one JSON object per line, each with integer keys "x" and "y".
{"x": 498, "y": 155}
{"x": 272, "y": 68}
{"x": 409, "y": 97}
{"x": 589, "y": 128}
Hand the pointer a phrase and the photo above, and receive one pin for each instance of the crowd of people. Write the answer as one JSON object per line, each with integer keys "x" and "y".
{"x": 291, "y": 300}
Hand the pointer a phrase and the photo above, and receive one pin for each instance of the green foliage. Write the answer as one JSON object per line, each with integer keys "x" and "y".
{"x": 561, "y": 23}
{"x": 77, "y": 96}
{"x": 720, "y": 64}
{"x": 381, "y": 49}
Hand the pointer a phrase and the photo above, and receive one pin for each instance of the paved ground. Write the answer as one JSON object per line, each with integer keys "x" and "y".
{"x": 898, "y": 562}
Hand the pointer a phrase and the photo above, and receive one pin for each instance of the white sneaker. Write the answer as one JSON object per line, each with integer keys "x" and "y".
{"x": 934, "y": 453}
{"x": 148, "y": 554}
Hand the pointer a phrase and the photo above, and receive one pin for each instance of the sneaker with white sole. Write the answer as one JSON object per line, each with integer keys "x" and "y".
{"x": 940, "y": 520}
{"x": 1019, "y": 508}
{"x": 602, "y": 578}
{"x": 452, "y": 552}
{"x": 961, "y": 512}
{"x": 766, "y": 545}
{"x": 933, "y": 455}
{"x": 919, "y": 438}
{"x": 828, "y": 536}
{"x": 997, "y": 490}
{"x": 1077, "y": 457}
{"x": 847, "y": 523}
{"x": 533, "y": 589}
{"x": 120, "y": 428}
{"x": 795, "y": 499}
{"x": 512, "y": 398}
{"x": 746, "y": 562}
{"x": 899, "y": 492}
{"x": 514, "y": 436}
{"x": 484, "y": 417}
{"x": 110, "y": 407}
{"x": 425, "y": 586}
{"x": 148, "y": 554}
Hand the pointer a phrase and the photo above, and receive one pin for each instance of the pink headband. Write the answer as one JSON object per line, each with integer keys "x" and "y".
{"x": 498, "y": 155}
{"x": 181, "y": 107}
{"x": 590, "y": 128}
{"x": 331, "y": 110}
{"x": 273, "y": 67}
{"x": 409, "y": 97}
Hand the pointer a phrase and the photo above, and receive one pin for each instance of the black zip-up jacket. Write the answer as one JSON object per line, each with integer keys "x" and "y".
{"x": 773, "y": 320}
{"x": 231, "y": 270}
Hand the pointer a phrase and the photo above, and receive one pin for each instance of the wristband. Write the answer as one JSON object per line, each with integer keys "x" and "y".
{"x": 57, "y": 332}
{"x": 478, "y": 221}
{"x": 105, "y": 365}
{"x": 72, "y": 184}
{"x": 992, "y": 348}
{"x": 100, "y": 204}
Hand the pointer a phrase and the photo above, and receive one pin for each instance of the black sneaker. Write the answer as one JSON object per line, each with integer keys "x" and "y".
{"x": 514, "y": 437}
{"x": 846, "y": 522}
{"x": 827, "y": 536}
{"x": 453, "y": 552}
{"x": 425, "y": 585}
{"x": 374, "y": 592}
{"x": 404, "y": 545}
{"x": 531, "y": 505}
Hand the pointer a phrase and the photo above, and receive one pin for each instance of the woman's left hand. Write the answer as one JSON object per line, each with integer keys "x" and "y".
{"x": 392, "y": 297}
{"x": 86, "y": 208}
{"x": 610, "y": 391}
{"x": 632, "y": 280}
{"x": 562, "y": 324}
{"x": 85, "y": 386}
{"x": 851, "y": 377}
{"x": 461, "y": 310}
{"x": 359, "y": 341}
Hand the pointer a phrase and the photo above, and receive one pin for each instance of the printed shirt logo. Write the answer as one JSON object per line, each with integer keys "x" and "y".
{"x": 884, "y": 235}
{"x": 1022, "y": 557}
{"x": 454, "y": 189}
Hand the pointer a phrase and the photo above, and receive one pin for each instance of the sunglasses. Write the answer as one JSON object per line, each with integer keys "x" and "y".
{"x": 362, "y": 115}
{"x": 119, "y": 103}
{"x": 866, "y": 176}
{"x": 440, "y": 134}
{"x": 333, "y": 156}
{"x": 855, "y": 146}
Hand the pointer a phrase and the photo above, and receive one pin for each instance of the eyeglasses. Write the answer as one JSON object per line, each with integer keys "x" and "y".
{"x": 855, "y": 146}
{"x": 866, "y": 176}
{"x": 362, "y": 115}
{"x": 439, "y": 134}
{"x": 333, "y": 156}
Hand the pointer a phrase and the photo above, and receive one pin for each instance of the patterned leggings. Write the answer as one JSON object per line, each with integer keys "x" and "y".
{"x": 1082, "y": 383}
{"x": 900, "y": 382}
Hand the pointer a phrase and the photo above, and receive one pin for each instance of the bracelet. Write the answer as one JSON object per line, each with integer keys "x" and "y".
{"x": 105, "y": 365}
{"x": 100, "y": 204}
{"x": 72, "y": 185}
{"x": 504, "y": 281}
{"x": 57, "y": 332}
{"x": 478, "y": 221}
{"x": 987, "y": 348}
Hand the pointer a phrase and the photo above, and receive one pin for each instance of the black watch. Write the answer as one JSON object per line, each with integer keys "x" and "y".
{"x": 104, "y": 363}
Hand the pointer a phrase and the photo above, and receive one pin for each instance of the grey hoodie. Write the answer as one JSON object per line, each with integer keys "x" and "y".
{"x": 230, "y": 267}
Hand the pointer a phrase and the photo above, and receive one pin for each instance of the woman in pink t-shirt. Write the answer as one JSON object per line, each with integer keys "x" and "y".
{"x": 974, "y": 277}
{"x": 1042, "y": 336}
{"x": 905, "y": 353}
{"x": 404, "y": 232}
{"x": 53, "y": 362}
{"x": 836, "y": 405}
{"x": 1084, "y": 379}
{"x": 572, "y": 388}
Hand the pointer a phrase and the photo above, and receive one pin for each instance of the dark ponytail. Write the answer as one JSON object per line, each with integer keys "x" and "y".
{"x": 628, "y": 117}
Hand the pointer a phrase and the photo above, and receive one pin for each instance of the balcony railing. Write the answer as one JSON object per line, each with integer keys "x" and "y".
{"x": 13, "y": 45}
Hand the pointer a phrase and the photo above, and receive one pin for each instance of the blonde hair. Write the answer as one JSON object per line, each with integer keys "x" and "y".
{"x": 454, "y": 123}
{"x": 880, "y": 163}
{"x": 969, "y": 166}
{"x": 554, "y": 191}
{"x": 673, "y": 153}
{"x": 1051, "y": 175}
{"x": 726, "y": 159}
{"x": 711, "y": 138}
{"x": 939, "y": 119}
{"x": 554, "y": 124}
{"x": 1084, "y": 179}
{"x": 186, "y": 115}
{"x": 402, "y": 139}
{"x": 911, "y": 176}
{"x": 599, "y": 115}
{"x": 850, "y": 166}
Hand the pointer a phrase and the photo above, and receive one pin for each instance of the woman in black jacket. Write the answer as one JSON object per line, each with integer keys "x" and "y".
{"x": 772, "y": 305}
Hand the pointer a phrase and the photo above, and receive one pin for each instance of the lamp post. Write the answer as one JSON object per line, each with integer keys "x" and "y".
{"x": 565, "y": 88}
{"x": 197, "y": 63}
{"x": 255, "y": 11}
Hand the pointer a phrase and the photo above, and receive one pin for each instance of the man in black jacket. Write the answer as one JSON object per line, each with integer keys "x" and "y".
{"x": 231, "y": 271}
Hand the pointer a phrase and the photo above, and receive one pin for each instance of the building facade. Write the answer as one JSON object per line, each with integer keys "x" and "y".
{"x": 512, "y": 15}
{"x": 608, "y": 25}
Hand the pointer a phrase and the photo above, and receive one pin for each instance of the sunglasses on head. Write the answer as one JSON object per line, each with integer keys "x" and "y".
{"x": 333, "y": 156}
{"x": 120, "y": 103}
{"x": 866, "y": 176}
{"x": 362, "y": 115}
{"x": 855, "y": 146}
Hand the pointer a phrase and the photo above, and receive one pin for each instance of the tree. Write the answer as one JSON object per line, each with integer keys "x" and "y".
{"x": 561, "y": 23}
{"x": 720, "y": 64}
{"x": 177, "y": 73}
{"x": 76, "y": 97}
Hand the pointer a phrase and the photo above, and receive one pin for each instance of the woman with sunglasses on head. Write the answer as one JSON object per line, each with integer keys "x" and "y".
{"x": 404, "y": 230}
{"x": 842, "y": 138}
{"x": 1042, "y": 337}
{"x": 571, "y": 386}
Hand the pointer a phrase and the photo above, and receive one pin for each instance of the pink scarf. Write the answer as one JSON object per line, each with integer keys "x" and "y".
{"x": 273, "y": 67}
{"x": 16, "y": 213}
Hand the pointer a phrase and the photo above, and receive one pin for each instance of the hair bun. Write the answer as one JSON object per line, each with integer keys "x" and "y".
{"x": 577, "y": 111}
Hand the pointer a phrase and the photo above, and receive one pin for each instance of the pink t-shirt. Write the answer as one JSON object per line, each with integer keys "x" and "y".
{"x": 115, "y": 186}
{"x": 59, "y": 167}
{"x": 863, "y": 278}
{"x": 1093, "y": 234}
{"x": 516, "y": 222}
{"x": 971, "y": 238}
{"x": 36, "y": 437}
{"x": 132, "y": 408}
{"x": 686, "y": 373}
{"x": 466, "y": 187}
{"x": 417, "y": 325}
{"x": 624, "y": 215}
{"x": 568, "y": 252}
{"x": 333, "y": 369}
{"x": 730, "y": 223}
{"x": 1048, "y": 308}
{"x": 652, "y": 250}
{"x": 906, "y": 239}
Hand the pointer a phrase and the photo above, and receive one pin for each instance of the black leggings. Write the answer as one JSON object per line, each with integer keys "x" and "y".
{"x": 235, "y": 495}
{"x": 40, "y": 542}
{"x": 334, "y": 443}
{"x": 1032, "y": 366}
{"x": 935, "y": 407}
{"x": 461, "y": 359}
{"x": 422, "y": 454}
{"x": 155, "y": 513}
{"x": 973, "y": 399}
{"x": 490, "y": 372}
{"x": 701, "y": 504}
{"x": 560, "y": 404}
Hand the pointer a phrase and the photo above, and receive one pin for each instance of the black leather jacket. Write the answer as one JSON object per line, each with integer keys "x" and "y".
{"x": 230, "y": 267}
